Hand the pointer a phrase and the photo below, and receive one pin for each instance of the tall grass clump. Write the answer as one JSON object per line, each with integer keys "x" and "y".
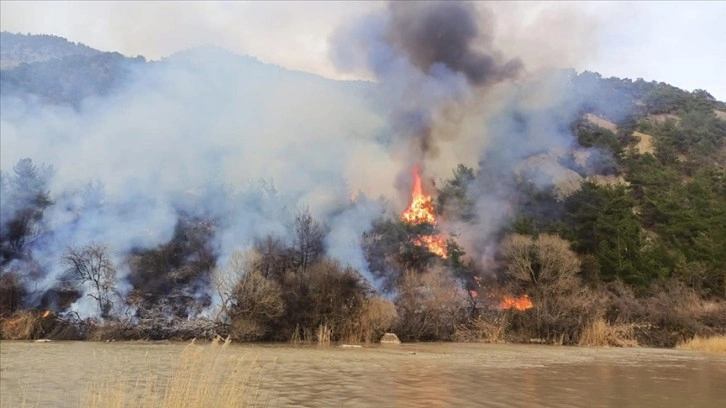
{"x": 602, "y": 333}
{"x": 202, "y": 376}
{"x": 25, "y": 325}
{"x": 713, "y": 344}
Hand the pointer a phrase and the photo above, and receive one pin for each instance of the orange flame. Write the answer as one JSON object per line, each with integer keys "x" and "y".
{"x": 435, "y": 243}
{"x": 421, "y": 210}
{"x": 520, "y": 303}
{"x": 45, "y": 314}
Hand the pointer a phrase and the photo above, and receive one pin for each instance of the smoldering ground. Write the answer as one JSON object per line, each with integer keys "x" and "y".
{"x": 211, "y": 134}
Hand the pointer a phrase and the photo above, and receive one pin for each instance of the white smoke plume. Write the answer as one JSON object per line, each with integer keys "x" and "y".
{"x": 206, "y": 132}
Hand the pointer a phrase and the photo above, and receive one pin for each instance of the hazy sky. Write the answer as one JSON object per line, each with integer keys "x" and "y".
{"x": 681, "y": 43}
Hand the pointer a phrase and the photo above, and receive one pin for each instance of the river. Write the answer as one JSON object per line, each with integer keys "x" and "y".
{"x": 59, "y": 374}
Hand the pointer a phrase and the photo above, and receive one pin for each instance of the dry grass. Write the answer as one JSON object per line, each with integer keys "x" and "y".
{"x": 324, "y": 334}
{"x": 24, "y": 325}
{"x": 377, "y": 317}
{"x": 481, "y": 330}
{"x": 602, "y": 122}
{"x": 203, "y": 376}
{"x": 645, "y": 143}
{"x": 600, "y": 333}
{"x": 714, "y": 344}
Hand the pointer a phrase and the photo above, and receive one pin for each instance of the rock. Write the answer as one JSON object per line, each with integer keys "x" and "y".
{"x": 390, "y": 338}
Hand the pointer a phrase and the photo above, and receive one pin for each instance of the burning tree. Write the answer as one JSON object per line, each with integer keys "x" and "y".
{"x": 92, "y": 265}
{"x": 412, "y": 242}
{"x": 421, "y": 211}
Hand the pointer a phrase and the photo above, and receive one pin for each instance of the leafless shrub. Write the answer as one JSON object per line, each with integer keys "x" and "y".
{"x": 545, "y": 260}
{"x": 674, "y": 313}
{"x": 429, "y": 305}
{"x": 545, "y": 269}
{"x": 256, "y": 303}
{"x": 377, "y": 317}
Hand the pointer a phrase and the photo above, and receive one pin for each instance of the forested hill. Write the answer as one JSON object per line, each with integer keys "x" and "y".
{"x": 16, "y": 49}
{"x": 57, "y": 71}
{"x": 658, "y": 208}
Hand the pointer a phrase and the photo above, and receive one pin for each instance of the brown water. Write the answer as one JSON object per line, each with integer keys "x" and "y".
{"x": 57, "y": 374}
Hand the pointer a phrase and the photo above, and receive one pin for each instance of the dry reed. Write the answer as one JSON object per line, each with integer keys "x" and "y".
{"x": 24, "y": 325}
{"x": 481, "y": 330}
{"x": 601, "y": 333}
{"x": 324, "y": 334}
{"x": 203, "y": 376}
{"x": 713, "y": 344}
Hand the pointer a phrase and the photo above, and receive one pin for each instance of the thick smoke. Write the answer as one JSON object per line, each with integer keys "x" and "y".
{"x": 431, "y": 59}
{"x": 447, "y": 33}
{"x": 455, "y": 97}
{"x": 212, "y": 135}
{"x": 204, "y": 133}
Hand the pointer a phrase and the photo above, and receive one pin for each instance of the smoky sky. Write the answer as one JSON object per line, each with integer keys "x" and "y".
{"x": 445, "y": 33}
{"x": 432, "y": 60}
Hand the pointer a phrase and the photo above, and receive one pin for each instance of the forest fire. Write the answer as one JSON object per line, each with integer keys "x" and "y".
{"x": 520, "y": 303}
{"x": 421, "y": 210}
{"x": 45, "y": 314}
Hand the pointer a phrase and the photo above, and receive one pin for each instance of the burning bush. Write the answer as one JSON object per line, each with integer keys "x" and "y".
{"x": 545, "y": 268}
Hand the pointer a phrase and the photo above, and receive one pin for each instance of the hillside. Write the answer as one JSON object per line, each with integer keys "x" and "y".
{"x": 603, "y": 204}
{"x": 16, "y": 49}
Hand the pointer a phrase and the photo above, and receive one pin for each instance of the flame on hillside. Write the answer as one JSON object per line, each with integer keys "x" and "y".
{"x": 45, "y": 314}
{"x": 520, "y": 303}
{"x": 421, "y": 210}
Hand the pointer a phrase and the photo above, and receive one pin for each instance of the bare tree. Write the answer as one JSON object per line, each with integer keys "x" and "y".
{"x": 308, "y": 245}
{"x": 227, "y": 278}
{"x": 92, "y": 265}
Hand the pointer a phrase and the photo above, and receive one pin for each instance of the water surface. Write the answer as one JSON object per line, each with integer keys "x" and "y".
{"x": 57, "y": 374}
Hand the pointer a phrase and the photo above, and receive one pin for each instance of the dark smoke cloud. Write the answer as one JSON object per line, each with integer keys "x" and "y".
{"x": 431, "y": 60}
{"x": 445, "y": 33}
